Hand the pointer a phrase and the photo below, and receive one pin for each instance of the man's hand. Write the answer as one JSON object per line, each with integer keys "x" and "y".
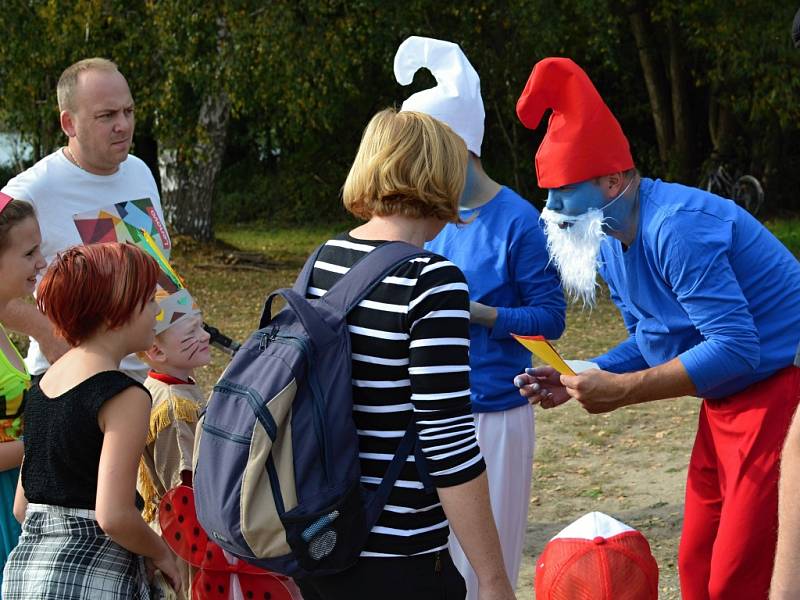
{"x": 601, "y": 391}
{"x": 481, "y": 314}
{"x": 598, "y": 391}
{"x": 542, "y": 386}
{"x": 53, "y": 347}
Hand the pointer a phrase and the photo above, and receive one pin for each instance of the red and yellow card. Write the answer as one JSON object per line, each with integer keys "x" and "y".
{"x": 544, "y": 351}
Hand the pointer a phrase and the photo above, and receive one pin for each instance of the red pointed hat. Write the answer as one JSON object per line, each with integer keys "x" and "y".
{"x": 583, "y": 138}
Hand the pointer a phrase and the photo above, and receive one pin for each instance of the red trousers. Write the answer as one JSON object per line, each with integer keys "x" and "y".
{"x": 730, "y": 521}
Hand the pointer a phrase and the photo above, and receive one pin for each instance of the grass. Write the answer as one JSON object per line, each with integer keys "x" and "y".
{"x": 232, "y": 297}
{"x": 279, "y": 243}
{"x": 787, "y": 231}
{"x": 630, "y": 463}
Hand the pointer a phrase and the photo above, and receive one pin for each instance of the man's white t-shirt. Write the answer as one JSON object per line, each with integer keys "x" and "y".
{"x": 58, "y": 189}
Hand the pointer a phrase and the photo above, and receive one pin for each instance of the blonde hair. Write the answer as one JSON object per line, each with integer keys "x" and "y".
{"x": 65, "y": 90}
{"x": 407, "y": 164}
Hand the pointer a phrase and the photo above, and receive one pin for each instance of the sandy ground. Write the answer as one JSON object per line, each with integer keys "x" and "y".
{"x": 630, "y": 464}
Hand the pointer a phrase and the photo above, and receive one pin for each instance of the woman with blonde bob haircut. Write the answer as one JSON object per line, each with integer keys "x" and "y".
{"x": 409, "y": 164}
{"x": 410, "y": 364}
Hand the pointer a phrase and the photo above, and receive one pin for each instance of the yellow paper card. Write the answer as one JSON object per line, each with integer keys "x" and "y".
{"x": 545, "y": 352}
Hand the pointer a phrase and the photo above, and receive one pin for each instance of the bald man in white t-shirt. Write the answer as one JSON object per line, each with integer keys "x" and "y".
{"x": 94, "y": 170}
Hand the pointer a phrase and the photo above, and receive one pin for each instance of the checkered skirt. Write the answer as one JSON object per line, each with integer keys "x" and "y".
{"x": 63, "y": 555}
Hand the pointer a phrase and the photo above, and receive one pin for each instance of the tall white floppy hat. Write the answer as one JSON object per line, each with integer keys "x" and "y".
{"x": 456, "y": 99}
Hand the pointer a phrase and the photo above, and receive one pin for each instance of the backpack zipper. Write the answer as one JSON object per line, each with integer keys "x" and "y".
{"x": 264, "y": 417}
{"x": 272, "y": 473}
{"x": 215, "y": 431}
{"x": 316, "y": 394}
{"x": 275, "y": 484}
{"x": 267, "y": 337}
{"x": 257, "y": 405}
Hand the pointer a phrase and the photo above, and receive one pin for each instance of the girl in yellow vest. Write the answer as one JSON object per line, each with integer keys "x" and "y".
{"x": 20, "y": 262}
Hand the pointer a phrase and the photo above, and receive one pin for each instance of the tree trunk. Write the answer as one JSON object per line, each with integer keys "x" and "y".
{"x": 681, "y": 162}
{"x": 188, "y": 178}
{"x": 721, "y": 126}
{"x": 655, "y": 80}
{"x": 188, "y": 173}
{"x": 511, "y": 145}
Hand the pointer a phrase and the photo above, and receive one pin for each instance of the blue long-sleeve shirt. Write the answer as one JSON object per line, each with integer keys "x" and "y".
{"x": 503, "y": 255}
{"x": 703, "y": 281}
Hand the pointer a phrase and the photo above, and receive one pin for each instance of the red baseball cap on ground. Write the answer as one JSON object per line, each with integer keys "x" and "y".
{"x": 583, "y": 140}
{"x": 597, "y": 558}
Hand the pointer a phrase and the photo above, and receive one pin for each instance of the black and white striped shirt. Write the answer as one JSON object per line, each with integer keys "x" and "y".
{"x": 410, "y": 345}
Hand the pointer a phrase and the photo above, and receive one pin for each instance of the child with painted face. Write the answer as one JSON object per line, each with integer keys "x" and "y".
{"x": 20, "y": 262}
{"x": 181, "y": 345}
{"x": 86, "y": 423}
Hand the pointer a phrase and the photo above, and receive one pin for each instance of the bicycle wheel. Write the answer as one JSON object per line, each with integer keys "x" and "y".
{"x": 749, "y": 194}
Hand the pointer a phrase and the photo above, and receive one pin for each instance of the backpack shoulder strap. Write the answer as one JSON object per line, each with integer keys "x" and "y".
{"x": 368, "y": 272}
{"x": 300, "y": 287}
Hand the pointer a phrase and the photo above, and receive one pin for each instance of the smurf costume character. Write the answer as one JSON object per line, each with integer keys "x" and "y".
{"x": 502, "y": 253}
{"x": 712, "y": 304}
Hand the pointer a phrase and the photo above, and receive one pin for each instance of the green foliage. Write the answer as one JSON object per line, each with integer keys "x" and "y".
{"x": 328, "y": 68}
{"x": 294, "y": 194}
{"x": 6, "y": 173}
{"x": 43, "y": 37}
{"x": 191, "y": 53}
{"x": 747, "y": 55}
{"x": 303, "y": 77}
{"x": 788, "y": 232}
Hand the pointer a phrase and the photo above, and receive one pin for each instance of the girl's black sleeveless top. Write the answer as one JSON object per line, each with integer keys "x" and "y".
{"x": 63, "y": 441}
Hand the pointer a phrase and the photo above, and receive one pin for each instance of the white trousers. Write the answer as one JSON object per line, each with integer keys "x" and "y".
{"x": 507, "y": 441}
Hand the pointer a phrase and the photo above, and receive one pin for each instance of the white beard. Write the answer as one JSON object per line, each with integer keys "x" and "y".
{"x": 575, "y": 250}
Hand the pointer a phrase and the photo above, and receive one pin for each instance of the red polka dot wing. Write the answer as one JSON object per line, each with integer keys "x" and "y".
{"x": 216, "y": 585}
{"x": 218, "y": 573}
{"x": 182, "y": 531}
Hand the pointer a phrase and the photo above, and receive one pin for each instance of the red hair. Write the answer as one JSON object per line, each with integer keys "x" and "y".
{"x": 100, "y": 284}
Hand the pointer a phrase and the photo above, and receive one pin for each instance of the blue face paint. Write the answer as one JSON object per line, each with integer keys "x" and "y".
{"x": 576, "y": 199}
{"x": 617, "y": 213}
{"x": 469, "y": 186}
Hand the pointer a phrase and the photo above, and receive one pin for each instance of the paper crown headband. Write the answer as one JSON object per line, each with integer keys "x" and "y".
{"x": 172, "y": 296}
{"x": 456, "y": 99}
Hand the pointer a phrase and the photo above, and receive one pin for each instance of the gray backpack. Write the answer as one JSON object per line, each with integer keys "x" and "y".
{"x": 277, "y": 473}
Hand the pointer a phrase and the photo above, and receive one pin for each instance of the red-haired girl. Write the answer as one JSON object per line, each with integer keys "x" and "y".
{"x": 20, "y": 261}
{"x": 86, "y": 421}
